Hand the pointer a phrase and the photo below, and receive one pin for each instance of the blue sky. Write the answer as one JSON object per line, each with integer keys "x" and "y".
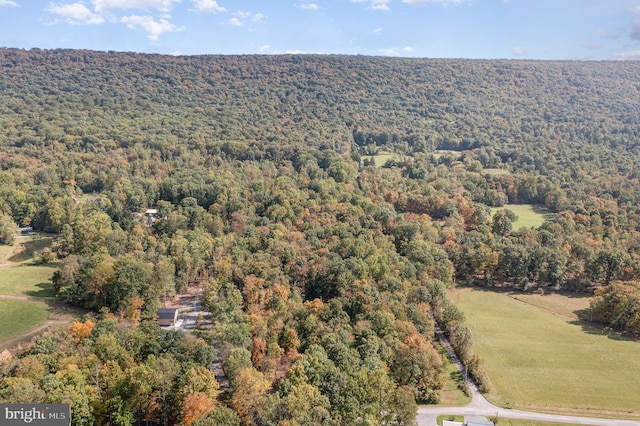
{"x": 526, "y": 29}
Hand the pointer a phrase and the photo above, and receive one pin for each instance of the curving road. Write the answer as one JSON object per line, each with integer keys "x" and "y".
{"x": 480, "y": 407}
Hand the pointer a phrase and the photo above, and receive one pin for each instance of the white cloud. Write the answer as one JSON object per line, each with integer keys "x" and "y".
{"x": 375, "y": 4}
{"x": 308, "y": 6}
{"x": 389, "y": 52}
{"x": 106, "y": 6}
{"x": 265, "y": 48}
{"x": 242, "y": 17}
{"x": 8, "y": 3}
{"x": 377, "y": 31}
{"x": 521, "y": 51}
{"x": 155, "y": 23}
{"x": 633, "y": 55}
{"x": 207, "y": 6}
{"x": 75, "y": 13}
{"x": 394, "y": 51}
{"x": 153, "y": 28}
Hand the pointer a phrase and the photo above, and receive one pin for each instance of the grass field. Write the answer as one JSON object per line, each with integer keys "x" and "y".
{"x": 27, "y": 280}
{"x": 496, "y": 172}
{"x": 529, "y": 216}
{"x": 540, "y": 357}
{"x": 557, "y": 304}
{"x": 26, "y": 247}
{"x": 84, "y": 198}
{"x": 379, "y": 159}
{"x": 440, "y": 152}
{"x": 18, "y": 316}
{"x": 7, "y": 251}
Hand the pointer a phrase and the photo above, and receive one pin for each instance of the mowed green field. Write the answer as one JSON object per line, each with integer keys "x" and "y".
{"x": 529, "y": 216}
{"x": 27, "y": 280}
{"x": 379, "y": 159}
{"x": 537, "y": 359}
{"x": 19, "y": 316}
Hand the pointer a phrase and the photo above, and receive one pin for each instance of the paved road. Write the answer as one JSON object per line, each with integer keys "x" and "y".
{"x": 480, "y": 407}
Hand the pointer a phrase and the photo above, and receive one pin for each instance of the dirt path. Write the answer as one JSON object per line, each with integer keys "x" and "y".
{"x": 14, "y": 344}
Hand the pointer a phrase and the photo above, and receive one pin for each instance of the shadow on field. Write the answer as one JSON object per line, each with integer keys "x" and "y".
{"x": 63, "y": 311}
{"x": 45, "y": 291}
{"x": 599, "y": 330}
{"x": 544, "y": 211}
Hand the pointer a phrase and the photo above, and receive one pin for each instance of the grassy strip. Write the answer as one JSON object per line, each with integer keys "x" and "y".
{"x": 496, "y": 172}
{"x": 34, "y": 281}
{"x": 441, "y": 152}
{"x": 379, "y": 159}
{"x": 537, "y": 360}
{"x": 18, "y": 316}
{"x": 451, "y": 394}
{"x": 559, "y": 304}
{"x": 7, "y": 251}
{"x": 451, "y": 418}
{"x": 515, "y": 422}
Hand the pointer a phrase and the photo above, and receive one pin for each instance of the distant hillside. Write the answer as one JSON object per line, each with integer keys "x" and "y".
{"x": 119, "y": 99}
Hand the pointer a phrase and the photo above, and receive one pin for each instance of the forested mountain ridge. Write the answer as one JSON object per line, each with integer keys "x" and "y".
{"x": 446, "y": 102}
{"x": 323, "y": 272}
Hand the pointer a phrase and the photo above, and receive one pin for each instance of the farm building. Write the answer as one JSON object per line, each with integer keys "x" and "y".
{"x": 167, "y": 316}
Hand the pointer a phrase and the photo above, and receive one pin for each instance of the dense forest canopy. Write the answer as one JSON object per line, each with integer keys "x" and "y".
{"x": 324, "y": 273}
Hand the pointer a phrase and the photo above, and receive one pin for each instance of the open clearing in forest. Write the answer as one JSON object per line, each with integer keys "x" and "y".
{"x": 496, "y": 172}
{"x": 529, "y": 215}
{"x": 26, "y": 293}
{"x": 380, "y": 159}
{"x": 540, "y": 357}
{"x": 20, "y": 316}
{"x": 440, "y": 152}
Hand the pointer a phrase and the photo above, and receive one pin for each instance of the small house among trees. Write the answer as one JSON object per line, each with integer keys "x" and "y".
{"x": 151, "y": 216}
{"x": 167, "y": 316}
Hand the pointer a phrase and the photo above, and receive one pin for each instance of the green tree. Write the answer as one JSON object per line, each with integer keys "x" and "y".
{"x": 8, "y": 229}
